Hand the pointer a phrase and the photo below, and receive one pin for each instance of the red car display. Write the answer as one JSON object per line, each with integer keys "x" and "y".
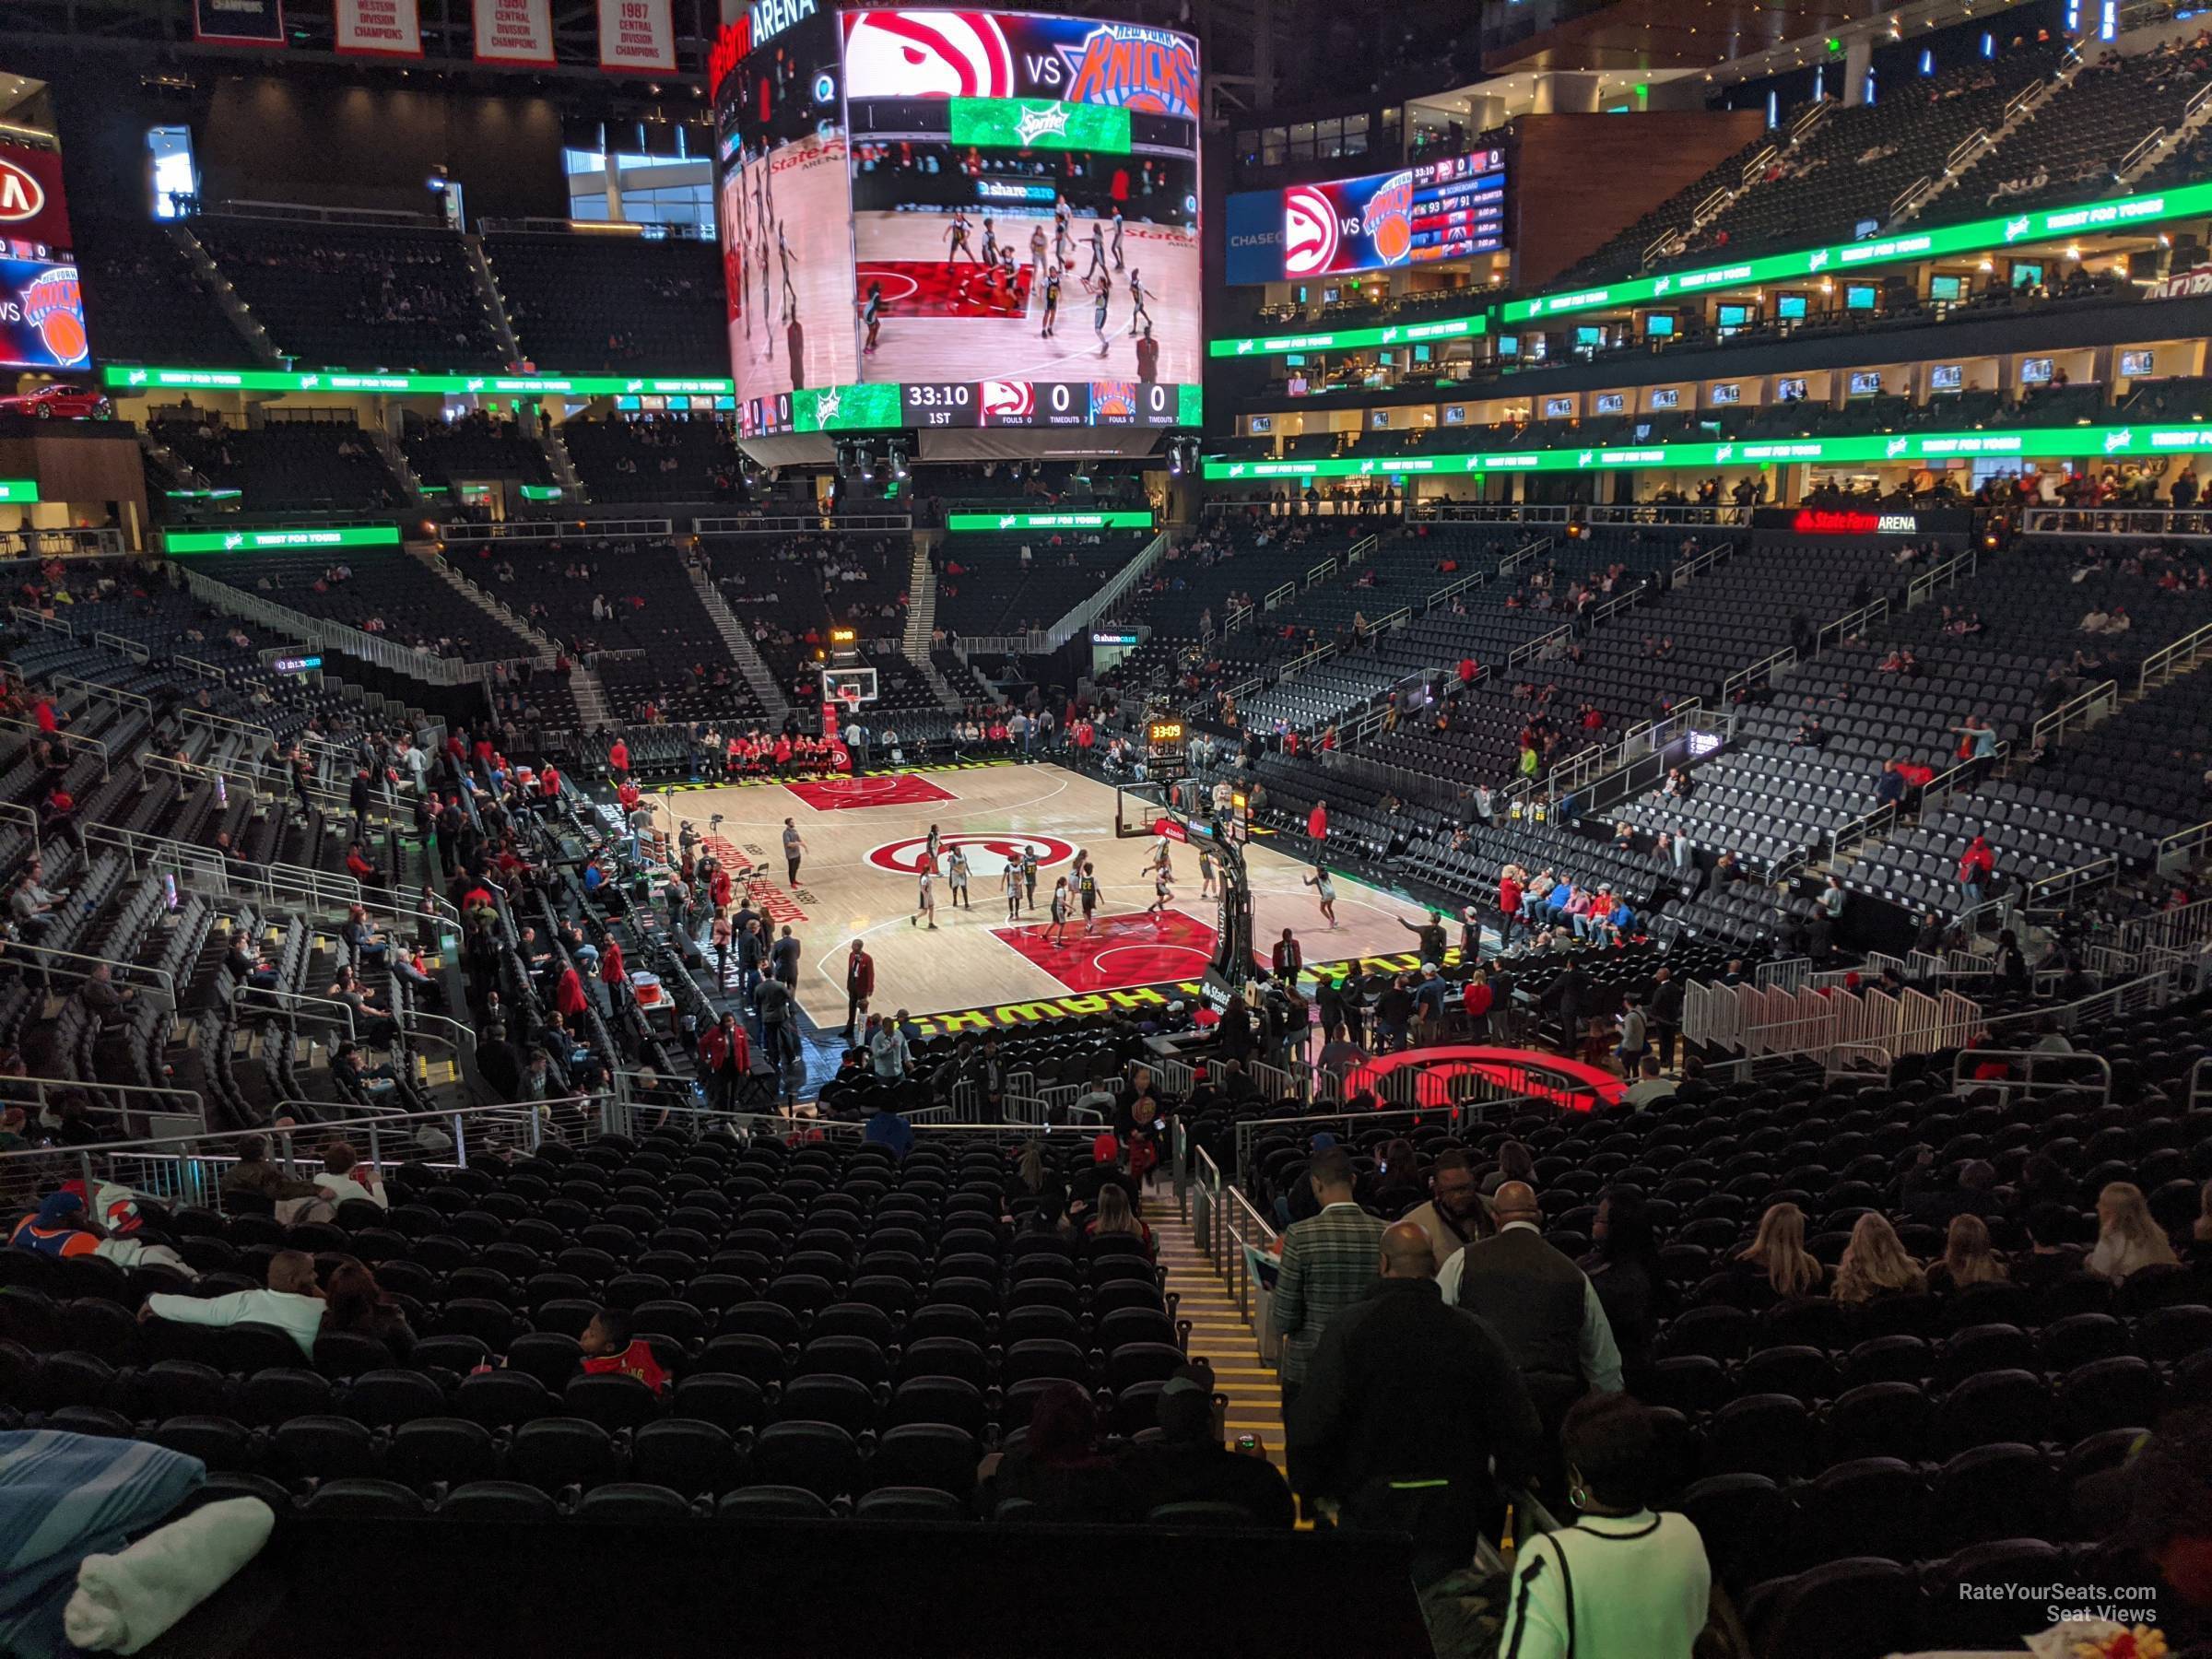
{"x": 68, "y": 401}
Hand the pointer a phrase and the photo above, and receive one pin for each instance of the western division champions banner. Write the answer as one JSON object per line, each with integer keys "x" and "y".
{"x": 379, "y": 27}
{"x": 514, "y": 31}
{"x": 238, "y": 23}
{"x": 636, "y": 37}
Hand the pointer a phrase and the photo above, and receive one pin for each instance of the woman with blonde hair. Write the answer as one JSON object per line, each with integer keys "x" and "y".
{"x": 1115, "y": 1218}
{"x": 1966, "y": 1258}
{"x": 2129, "y": 1235}
{"x": 1874, "y": 1263}
{"x": 1778, "y": 1253}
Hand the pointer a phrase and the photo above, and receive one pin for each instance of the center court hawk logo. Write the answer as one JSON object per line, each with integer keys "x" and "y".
{"x": 988, "y": 855}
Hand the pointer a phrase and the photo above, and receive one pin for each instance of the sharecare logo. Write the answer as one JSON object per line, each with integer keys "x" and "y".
{"x": 926, "y": 55}
{"x": 22, "y": 197}
{"x": 1310, "y": 231}
{"x": 1009, "y": 400}
{"x": 988, "y": 855}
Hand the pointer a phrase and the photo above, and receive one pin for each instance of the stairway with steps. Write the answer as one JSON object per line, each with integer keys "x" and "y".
{"x": 493, "y": 606}
{"x": 592, "y": 710}
{"x": 1219, "y": 1335}
{"x": 740, "y": 646}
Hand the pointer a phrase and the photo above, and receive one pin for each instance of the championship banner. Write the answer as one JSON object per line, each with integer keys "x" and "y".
{"x": 33, "y": 206}
{"x": 514, "y": 31}
{"x": 238, "y": 23}
{"x": 636, "y": 37}
{"x": 379, "y": 27}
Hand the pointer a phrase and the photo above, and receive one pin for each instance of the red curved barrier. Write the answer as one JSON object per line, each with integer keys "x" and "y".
{"x": 1571, "y": 1084}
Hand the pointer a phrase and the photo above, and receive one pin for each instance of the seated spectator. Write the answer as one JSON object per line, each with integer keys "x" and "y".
{"x": 346, "y": 1178}
{"x": 609, "y": 1349}
{"x": 888, "y": 1127}
{"x": 1646, "y": 1594}
{"x": 1188, "y": 1462}
{"x": 1777, "y": 1256}
{"x": 2129, "y": 1235}
{"x": 1115, "y": 1219}
{"x": 1059, "y": 1469}
{"x": 2050, "y": 1254}
{"x": 1966, "y": 1258}
{"x": 58, "y": 1229}
{"x": 292, "y": 1304}
{"x": 1874, "y": 1263}
{"x": 355, "y": 1302}
{"x": 254, "y": 1174}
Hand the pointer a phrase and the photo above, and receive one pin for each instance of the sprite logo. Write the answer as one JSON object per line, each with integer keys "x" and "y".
{"x": 1896, "y": 447}
{"x": 1816, "y": 260}
{"x": 1389, "y": 334}
{"x": 137, "y": 377}
{"x": 825, "y": 409}
{"x": 636, "y": 385}
{"x": 1723, "y": 452}
{"x": 476, "y": 384}
{"x": 1585, "y": 457}
{"x": 1035, "y": 122}
{"x": 233, "y": 539}
{"x": 1005, "y": 520}
{"x": 1661, "y": 285}
{"x": 2016, "y": 229}
{"x": 1237, "y": 470}
{"x": 2120, "y": 439}
{"x": 1244, "y": 348}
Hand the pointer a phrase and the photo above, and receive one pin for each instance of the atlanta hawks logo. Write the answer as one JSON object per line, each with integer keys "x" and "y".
{"x": 1309, "y": 232}
{"x": 926, "y": 55}
{"x": 988, "y": 855}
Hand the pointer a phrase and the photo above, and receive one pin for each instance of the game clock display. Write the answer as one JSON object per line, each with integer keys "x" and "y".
{"x": 1009, "y": 402}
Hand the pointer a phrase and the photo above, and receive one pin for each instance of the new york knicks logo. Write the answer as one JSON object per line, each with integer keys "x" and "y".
{"x": 53, "y": 305}
{"x": 1389, "y": 221}
{"x": 988, "y": 855}
{"x": 1134, "y": 69}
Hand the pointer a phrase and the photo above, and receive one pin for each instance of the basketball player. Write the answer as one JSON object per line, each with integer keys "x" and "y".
{"x": 1037, "y": 256}
{"x": 1117, "y": 239}
{"x": 871, "y": 312}
{"x": 1052, "y": 302}
{"x": 1011, "y": 881}
{"x": 990, "y": 244}
{"x": 925, "y": 897}
{"x": 935, "y": 846}
{"x": 1098, "y": 251}
{"x": 957, "y": 234}
{"x": 1028, "y": 874}
{"x": 1061, "y": 241}
{"x": 1009, "y": 280}
{"x": 1325, "y": 891}
{"x": 791, "y": 294}
{"x": 1136, "y": 299}
{"x": 956, "y": 877}
{"x": 1058, "y": 931}
{"x": 1163, "y": 891}
{"x": 1205, "y": 873}
{"x": 1160, "y": 859}
{"x": 1098, "y": 318}
{"x": 1087, "y": 891}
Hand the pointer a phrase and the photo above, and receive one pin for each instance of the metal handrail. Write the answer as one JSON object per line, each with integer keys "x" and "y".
{"x": 2086, "y": 708}
{"x": 39, "y": 1092}
{"x": 129, "y": 699}
{"x": 1953, "y": 570}
{"x": 2029, "y": 1060}
{"x": 164, "y": 982}
{"x": 67, "y": 739}
{"x": 2170, "y": 662}
{"x": 327, "y": 1007}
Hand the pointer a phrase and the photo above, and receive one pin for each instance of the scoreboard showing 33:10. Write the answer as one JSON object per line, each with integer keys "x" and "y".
{"x": 1020, "y": 403}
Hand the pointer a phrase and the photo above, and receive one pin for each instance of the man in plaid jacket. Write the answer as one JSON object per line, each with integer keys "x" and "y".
{"x": 1328, "y": 1263}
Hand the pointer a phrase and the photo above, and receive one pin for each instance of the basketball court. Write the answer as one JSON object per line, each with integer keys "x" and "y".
{"x": 866, "y": 841}
{"x": 941, "y": 321}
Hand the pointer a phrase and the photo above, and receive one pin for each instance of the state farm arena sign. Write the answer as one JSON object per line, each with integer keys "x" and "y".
{"x": 2183, "y": 284}
{"x": 988, "y": 855}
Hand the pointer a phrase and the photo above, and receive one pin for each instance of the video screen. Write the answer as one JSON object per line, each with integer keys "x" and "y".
{"x": 41, "y": 317}
{"x": 783, "y": 216}
{"x": 1024, "y": 195}
{"x": 1449, "y": 209}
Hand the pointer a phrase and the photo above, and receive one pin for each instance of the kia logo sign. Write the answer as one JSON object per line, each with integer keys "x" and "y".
{"x": 22, "y": 197}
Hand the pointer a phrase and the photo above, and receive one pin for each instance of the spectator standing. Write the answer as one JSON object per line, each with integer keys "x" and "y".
{"x": 1455, "y": 1216}
{"x": 1409, "y": 1407}
{"x": 1327, "y": 1264}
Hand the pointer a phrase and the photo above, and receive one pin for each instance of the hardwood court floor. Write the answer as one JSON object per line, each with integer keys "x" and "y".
{"x": 975, "y": 342}
{"x": 864, "y": 840}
